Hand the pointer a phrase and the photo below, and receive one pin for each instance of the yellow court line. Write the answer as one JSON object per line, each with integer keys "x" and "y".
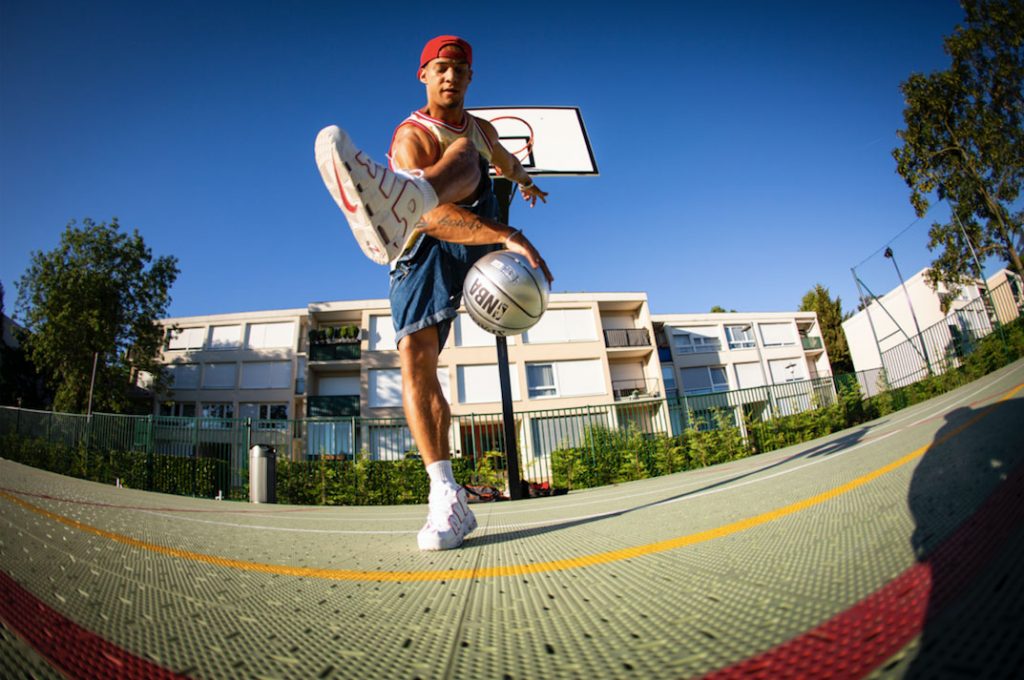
{"x": 516, "y": 569}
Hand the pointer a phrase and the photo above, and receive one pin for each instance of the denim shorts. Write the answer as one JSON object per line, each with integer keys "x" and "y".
{"x": 426, "y": 282}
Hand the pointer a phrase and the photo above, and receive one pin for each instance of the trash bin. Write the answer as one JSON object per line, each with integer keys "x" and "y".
{"x": 262, "y": 474}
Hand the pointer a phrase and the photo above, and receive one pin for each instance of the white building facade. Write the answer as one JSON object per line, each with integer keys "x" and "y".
{"x": 906, "y": 330}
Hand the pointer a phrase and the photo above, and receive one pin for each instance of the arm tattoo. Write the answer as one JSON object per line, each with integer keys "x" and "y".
{"x": 456, "y": 222}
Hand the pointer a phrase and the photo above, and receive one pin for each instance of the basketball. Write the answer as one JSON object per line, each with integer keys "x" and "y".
{"x": 505, "y": 295}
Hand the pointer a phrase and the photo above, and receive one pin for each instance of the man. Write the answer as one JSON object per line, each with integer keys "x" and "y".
{"x": 431, "y": 215}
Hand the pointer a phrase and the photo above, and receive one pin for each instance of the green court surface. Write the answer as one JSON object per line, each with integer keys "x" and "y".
{"x": 889, "y": 550}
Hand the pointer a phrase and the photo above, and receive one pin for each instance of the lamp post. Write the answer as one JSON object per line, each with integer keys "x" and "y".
{"x": 913, "y": 315}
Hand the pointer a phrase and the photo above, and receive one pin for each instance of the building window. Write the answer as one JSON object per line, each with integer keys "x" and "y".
{"x": 563, "y": 325}
{"x": 382, "y": 334}
{"x": 577, "y": 378}
{"x": 749, "y": 375}
{"x": 385, "y": 386}
{"x": 186, "y": 338}
{"x": 777, "y": 334}
{"x": 540, "y": 379}
{"x": 266, "y": 375}
{"x": 219, "y": 415}
{"x": 468, "y": 334}
{"x": 271, "y": 335}
{"x": 668, "y": 376}
{"x": 696, "y": 340}
{"x": 266, "y": 414}
{"x": 219, "y": 376}
{"x": 179, "y": 409}
{"x": 740, "y": 337}
{"x": 184, "y": 376}
{"x": 786, "y": 370}
{"x": 225, "y": 337}
{"x": 704, "y": 379}
{"x": 481, "y": 384}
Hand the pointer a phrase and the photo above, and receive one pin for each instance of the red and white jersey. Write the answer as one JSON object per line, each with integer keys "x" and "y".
{"x": 445, "y": 134}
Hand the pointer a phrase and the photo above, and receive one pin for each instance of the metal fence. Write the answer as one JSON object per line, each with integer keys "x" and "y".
{"x": 217, "y": 448}
{"x": 944, "y": 345}
{"x": 209, "y": 456}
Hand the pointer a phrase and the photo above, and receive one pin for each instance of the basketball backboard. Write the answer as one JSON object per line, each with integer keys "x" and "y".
{"x": 547, "y": 140}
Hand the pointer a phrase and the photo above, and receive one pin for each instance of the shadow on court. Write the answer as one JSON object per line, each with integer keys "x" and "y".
{"x": 975, "y": 611}
{"x": 825, "y": 449}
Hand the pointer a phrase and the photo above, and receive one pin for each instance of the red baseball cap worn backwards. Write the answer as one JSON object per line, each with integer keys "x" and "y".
{"x": 446, "y": 46}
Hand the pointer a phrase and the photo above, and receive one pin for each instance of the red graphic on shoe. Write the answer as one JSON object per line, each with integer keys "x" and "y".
{"x": 398, "y": 201}
{"x": 371, "y": 167}
{"x": 337, "y": 178}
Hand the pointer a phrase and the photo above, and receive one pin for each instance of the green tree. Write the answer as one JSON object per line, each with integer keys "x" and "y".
{"x": 830, "y": 320}
{"x": 720, "y": 310}
{"x": 964, "y": 141}
{"x": 98, "y": 294}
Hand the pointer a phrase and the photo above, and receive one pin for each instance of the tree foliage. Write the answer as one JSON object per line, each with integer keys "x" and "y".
{"x": 964, "y": 141}
{"x": 99, "y": 293}
{"x": 830, "y": 320}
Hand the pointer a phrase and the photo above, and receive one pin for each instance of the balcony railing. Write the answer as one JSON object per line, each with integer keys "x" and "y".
{"x": 334, "y": 352}
{"x": 639, "y": 388}
{"x": 627, "y": 337}
{"x": 810, "y": 342}
{"x": 332, "y": 407}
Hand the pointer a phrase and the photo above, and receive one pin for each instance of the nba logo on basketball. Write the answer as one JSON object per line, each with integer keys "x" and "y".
{"x": 486, "y": 302}
{"x": 504, "y": 294}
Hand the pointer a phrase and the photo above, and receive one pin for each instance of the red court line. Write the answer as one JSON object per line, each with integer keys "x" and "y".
{"x": 75, "y": 651}
{"x": 856, "y": 641}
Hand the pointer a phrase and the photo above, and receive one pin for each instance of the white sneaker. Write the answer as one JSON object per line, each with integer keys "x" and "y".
{"x": 382, "y": 206}
{"x": 449, "y": 521}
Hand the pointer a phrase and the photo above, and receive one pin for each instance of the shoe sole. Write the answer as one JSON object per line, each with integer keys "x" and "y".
{"x": 332, "y": 148}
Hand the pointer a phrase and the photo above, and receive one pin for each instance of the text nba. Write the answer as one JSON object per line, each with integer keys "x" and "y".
{"x": 486, "y": 301}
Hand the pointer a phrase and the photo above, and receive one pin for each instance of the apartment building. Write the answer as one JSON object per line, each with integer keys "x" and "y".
{"x": 1007, "y": 290}
{"x": 338, "y": 360}
{"x": 917, "y": 330}
{"x": 704, "y": 354}
{"x": 897, "y": 317}
{"x": 240, "y": 365}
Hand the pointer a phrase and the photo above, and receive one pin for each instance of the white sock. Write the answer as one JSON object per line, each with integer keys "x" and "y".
{"x": 425, "y": 187}
{"x": 440, "y": 474}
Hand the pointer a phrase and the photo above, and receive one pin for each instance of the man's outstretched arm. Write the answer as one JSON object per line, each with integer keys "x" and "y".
{"x": 449, "y": 222}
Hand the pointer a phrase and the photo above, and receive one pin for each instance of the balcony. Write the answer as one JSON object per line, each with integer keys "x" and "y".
{"x": 810, "y": 342}
{"x": 639, "y": 388}
{"x": 332, "y": 407}
{"x": 334, "y": 351}
{"x": 627, "y": 337}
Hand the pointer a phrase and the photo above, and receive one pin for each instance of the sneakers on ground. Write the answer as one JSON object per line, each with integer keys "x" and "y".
{"x": 449, "y": 520}
{"x": 382, "y": 206}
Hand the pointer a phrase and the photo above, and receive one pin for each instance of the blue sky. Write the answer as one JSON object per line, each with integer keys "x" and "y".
{"x": 744, "y": 147}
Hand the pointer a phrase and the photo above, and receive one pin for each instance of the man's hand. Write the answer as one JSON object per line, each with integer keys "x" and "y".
{"x": 531, "y": 192}
{"x": 518, "y": 243}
